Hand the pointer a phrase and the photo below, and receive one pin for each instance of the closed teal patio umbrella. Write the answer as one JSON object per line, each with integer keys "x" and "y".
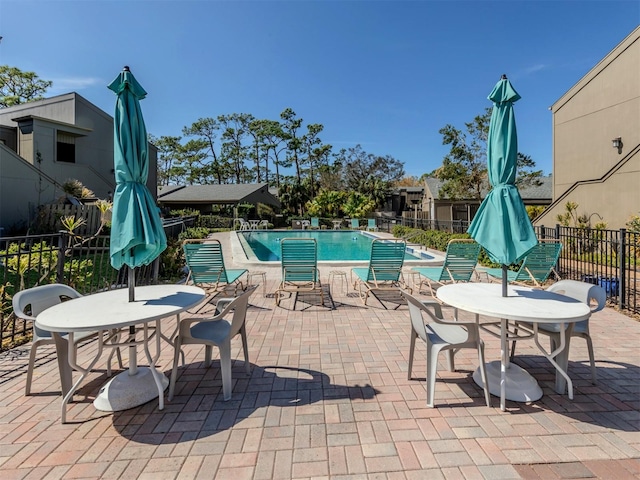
{"x": 501, "y": 224}
{"x": 137, "y": 234}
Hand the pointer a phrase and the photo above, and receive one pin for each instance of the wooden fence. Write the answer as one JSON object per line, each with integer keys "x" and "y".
{"x": 49, "y": 217}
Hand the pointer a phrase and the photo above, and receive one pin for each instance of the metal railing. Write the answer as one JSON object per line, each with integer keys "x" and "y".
{"x": 609, "y": 258}
{"x": 386, "y": 224}
{"x": 28, "y": 261}
{"x": 82, "y": 263}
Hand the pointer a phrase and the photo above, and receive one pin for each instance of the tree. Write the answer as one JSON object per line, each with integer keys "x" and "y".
{"x": 234, "y": 149}
{"x": 410, "y": 181}
{"x": 360, "y": 166}
{"x": 256, "y": 131}
{"x": 330, "y": 176}
{"x": 358, "y": 205}
{"x": 290, "y": 126}
{"x": 328, "y": 203}
{"x": 18, "y": 87}
{"x": 464, "y": 168}
{"x": 168, "y": 158}
{"x": 206, "y": 131}
{"x": 311, "y": 145}
{"x": 274, "y": 144}
{"x": 377, "y": 189}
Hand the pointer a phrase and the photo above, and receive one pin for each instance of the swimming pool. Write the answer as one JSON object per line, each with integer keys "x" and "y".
{"x": 332, "y": 245}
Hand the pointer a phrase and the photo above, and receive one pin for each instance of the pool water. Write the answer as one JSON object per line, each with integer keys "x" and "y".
{"x": 332, "y": 246}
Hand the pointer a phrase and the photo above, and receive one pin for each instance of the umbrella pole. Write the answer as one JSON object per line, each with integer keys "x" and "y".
{"x": 133, "y": 357}
{"x": 132, "y": 284}
{"x": 504, "y": 280}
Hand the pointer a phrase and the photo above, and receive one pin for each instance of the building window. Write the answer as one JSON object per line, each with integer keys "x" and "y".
{"x": 66, "y": 148}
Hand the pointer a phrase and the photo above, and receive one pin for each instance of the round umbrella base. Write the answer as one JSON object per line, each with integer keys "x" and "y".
{"x": 520, "y": 386}
{"x": 126, "y": 391}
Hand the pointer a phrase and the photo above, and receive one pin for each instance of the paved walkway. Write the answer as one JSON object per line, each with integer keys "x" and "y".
{"x": 328, "y": 397}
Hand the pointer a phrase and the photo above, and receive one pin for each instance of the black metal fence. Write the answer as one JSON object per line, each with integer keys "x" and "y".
{"x": 609, "y": 258}
{"x": 82, "y": 263}
{"x": 386, "y": 224}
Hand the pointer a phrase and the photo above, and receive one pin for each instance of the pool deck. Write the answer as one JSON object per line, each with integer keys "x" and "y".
{"x": 329, "y": 398}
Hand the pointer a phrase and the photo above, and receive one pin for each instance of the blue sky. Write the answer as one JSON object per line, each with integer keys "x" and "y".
{"x": 383, "y": 74}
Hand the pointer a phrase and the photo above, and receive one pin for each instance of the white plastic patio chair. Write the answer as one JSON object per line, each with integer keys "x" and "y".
{"x": 440, "y": 334}
{"x": 28, "y": 304}
{"x": 592, "y": 295}
{"x": 216, "y": 331}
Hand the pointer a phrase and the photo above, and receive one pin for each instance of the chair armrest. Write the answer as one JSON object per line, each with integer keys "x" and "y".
{"x": 222, "y": 303}
{"x": 438, "y": 317}
{"x": 437, "y": 308}
{"x": 24, "y": 316}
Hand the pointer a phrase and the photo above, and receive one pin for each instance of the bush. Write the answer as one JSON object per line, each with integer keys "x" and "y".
{"x": 437, "y": 240}
{"x": 214, "y": 222}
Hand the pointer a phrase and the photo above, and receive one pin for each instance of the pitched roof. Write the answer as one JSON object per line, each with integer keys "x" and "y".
{"x": 532, "y": 192}
{"x": 217, "y": 194}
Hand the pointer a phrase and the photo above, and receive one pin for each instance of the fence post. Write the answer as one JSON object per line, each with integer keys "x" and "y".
{"x": 557, "y": 232}
{"x": 543, "y": 233}
{"x": 62, "y": 242}
{"x": 622, "y": 261}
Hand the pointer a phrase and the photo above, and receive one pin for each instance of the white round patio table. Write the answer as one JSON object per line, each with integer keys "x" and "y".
{"x": 509, "y": 381}
{"x": 112, "y": 310}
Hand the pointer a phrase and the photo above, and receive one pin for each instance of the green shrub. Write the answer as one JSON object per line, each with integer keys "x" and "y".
{"x": 437, "y": 240}
{"x": 434, "y": 239}
{"x": 214, "y": 222}
{"x": 194, "y": 232}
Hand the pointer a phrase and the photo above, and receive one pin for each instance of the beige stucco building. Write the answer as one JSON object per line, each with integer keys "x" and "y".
{"x": 47, "y": 142}
{"x": 587, "y": 169}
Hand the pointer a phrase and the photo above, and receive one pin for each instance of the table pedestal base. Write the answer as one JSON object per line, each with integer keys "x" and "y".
{"x": 126, "y": 391}
{"x": 520, "y": 387}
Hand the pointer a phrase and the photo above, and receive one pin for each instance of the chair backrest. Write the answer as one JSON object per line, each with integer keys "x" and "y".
{"x": 416, "y": 310}
{"x": 355, "y": 223}
{"x": 205, "y": 261}
{"x": 371, "y": 223}
{"x": 387, "y": 258}
{"x": 299, "y": 259}
{"x": 239, "y": 307}
{"x": 592, "y": 295}
{"x": 460, "y": 260}
{"x": 29, "y": 303}
{"x": 540, "y": 262}
{"x": 452, "y": 332}
{"x": 315, "y": 222}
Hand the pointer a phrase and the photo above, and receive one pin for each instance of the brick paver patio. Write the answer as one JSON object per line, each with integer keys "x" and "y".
{"x": 328, "y": 397}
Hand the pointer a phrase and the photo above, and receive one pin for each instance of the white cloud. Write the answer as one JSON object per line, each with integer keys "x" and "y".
{"x": 527, "y": 71}
{"x": 74, "y": 84}
{"x": 535, "y": 68}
